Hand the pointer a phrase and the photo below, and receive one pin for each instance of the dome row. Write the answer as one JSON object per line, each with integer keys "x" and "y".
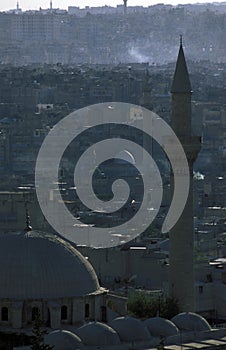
{"x": 124, "y": 330}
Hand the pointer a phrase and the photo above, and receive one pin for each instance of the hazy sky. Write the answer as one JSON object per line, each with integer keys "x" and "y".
{"x": 35, "y": 4}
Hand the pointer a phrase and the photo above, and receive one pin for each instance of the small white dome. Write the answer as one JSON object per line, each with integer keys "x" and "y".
{"x": 160, "y": 327}
{"x": 125, "y": 156}
{"x": 35, "y": 265}
{"x": 63, "y": 340}
{"x": 189, "y": 321}
{"x": 98, "y": 334}
{"x": 130, "y": 329}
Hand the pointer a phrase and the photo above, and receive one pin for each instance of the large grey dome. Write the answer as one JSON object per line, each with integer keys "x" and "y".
{"x": 38, "y": 265}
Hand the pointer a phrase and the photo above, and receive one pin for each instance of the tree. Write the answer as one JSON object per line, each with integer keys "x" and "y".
{"x": 37, "y": 342}
{"x": 143, "y": 305}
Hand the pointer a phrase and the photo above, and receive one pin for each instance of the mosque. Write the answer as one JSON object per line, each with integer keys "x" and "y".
{"x": 42, "y": 274}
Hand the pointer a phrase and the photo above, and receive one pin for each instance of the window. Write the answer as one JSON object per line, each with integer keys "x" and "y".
{"x": 103, "y": 312}
{"x": 86, "y": 310}
{"x": 48, "y": 322}
{"x": 37, "y": 133}
{"x": 35, "y": 313}
{"x": 63, "y": 312}
{"x": 200, "y": 289}
{"x": 4, "y": 314}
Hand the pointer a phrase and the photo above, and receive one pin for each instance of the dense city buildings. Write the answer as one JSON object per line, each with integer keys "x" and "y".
{"x": 57, "y": 61}
{"x": 109, "y": 35}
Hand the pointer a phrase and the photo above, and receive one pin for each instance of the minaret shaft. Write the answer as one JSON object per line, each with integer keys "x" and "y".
{"x": 182, "y": 281}
{"x": 181, "y": 114}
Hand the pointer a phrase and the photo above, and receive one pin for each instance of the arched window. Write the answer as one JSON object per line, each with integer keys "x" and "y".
{"x": 63, "y": 312}
{"x": 4, "y": 314}
{"x": 86, "y": 310}
{"x": 35, "y": 313}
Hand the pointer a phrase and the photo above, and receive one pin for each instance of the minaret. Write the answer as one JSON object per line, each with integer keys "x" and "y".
{"x": 125, "y": 6}
{"x": 51, "y": 5}
{"x": 146, "y": 99}
{"x": 181, "y": 278}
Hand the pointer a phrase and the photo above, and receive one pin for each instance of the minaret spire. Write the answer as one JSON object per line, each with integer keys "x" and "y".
{"x": 181, "y": 81}
{"x": 181, "y": 96}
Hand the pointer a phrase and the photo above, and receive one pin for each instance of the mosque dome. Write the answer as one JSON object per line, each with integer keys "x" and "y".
{"x": 97, "y": 334}
{"x": 125, "y": 156}
{"x": 130, "y": 329}
{"x": 160, "y": 327}
{"x": 35, "y": 265}
{"x": 189, "y": 321}
{"x": 63, "y": 340}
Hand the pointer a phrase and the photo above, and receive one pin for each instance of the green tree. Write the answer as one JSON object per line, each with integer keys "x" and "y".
{"x": 37, "y": 342}
{"x": 170, "y": 308}
{"x": 144, "y": 305}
